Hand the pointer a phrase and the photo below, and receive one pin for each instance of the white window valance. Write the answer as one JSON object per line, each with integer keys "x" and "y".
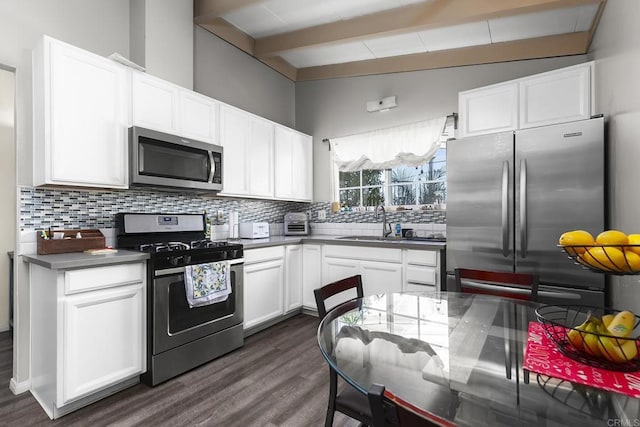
{"x": 412, "y": 144}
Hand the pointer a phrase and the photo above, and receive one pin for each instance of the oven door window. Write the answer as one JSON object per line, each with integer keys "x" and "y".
{"x": 163, "y": 159}
{"x": 182, "y": 317}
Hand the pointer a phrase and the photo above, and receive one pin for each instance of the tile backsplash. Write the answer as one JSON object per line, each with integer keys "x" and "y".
{"x": 62, "y": 208}
{"x": 79, "y": 208}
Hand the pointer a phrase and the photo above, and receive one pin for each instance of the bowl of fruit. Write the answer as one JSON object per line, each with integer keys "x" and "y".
{"x": 611, "y": 252}
{"x": 600, "y": 337}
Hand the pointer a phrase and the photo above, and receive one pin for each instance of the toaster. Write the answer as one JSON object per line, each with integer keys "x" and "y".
{"x": 296, "y": 224}
{"x": 254, "y": 230}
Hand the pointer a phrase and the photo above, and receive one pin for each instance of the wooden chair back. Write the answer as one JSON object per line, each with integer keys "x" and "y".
{"x": 511, "y": 285}
{"x": 387, "y": 413}
{"x": 331, "y": 289}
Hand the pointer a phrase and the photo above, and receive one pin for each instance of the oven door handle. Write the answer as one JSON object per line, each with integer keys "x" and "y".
{"x": 180, "y": 270}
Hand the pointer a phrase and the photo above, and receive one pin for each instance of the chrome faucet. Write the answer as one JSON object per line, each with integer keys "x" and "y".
{"x": 385, "y": 233}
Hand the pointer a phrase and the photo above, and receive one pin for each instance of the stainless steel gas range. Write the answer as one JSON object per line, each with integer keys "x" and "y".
{"x": 181, "y": 337}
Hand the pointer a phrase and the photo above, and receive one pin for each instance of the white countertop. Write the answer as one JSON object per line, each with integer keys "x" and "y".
{"x": 80, "y": 259}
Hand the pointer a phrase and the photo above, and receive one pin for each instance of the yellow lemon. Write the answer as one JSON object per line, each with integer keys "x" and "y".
{"x": 633, "y": 260}
{"x": 634, "y": 239}
{"x": 612, "y": 237}
{"x": 576, "y": 238}
{"x": 610, "y": 259}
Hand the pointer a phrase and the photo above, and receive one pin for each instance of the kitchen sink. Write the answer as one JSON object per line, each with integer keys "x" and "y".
{"x": 369, "y": 238}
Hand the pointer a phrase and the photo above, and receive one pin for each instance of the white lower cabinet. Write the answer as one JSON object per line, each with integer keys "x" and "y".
{"x": 311, "y": 273}
{"x": 281, "y": 279}
{"x": 293, "y": 280}
{"x": 381, "y": 269}
{"x": 381, "y": 277}
{"x": 102, "y": 332}
{"x": 88, "y": 333}
{"x": 263, "y": 285}
{"x": 422, "y": 271}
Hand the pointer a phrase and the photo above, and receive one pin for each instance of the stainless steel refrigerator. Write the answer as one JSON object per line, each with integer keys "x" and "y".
{"x": 511, "y": 195}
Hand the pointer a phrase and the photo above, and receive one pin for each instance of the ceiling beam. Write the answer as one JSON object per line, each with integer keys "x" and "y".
{"x": 207, "y": 10}
{"x": 230, "y": 34}
{"x": 542, "y": 47}
{"x": 244, "y": 42}
{"x": 416, "y": 17}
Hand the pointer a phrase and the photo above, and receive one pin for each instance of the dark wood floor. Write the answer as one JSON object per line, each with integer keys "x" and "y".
{"x": 279, "y": 378}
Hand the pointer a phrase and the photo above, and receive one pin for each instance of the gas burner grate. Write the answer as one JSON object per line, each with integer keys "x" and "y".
{"x": 164, "y": 247}
{"x": 198, "y": 244}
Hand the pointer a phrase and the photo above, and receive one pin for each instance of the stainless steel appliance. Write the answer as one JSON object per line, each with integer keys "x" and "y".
{"x": 180, "y": 338}
{"x": 296, "y": 224}
{"x": 158, "y": 159}
{"x": 511, "y": 195}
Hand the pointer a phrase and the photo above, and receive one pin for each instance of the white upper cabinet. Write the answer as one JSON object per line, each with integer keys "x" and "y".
{"x": 166, "y": 107}
{"x": 84, "y": 104}
{"x": 260, "y": 163}
{"x": 556, "y": 96}
{"x": 294, "y": 165}
{"x": 155, "y": 103}
{"x": 79, "y": 117}
{"x": 198, "y": 116}
{"x": 264, "y": 159}
{"x": 248, "y": 153}
{"x": 489, "y": 109}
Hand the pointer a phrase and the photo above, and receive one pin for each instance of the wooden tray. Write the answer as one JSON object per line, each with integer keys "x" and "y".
{"x": 91, "y": 239}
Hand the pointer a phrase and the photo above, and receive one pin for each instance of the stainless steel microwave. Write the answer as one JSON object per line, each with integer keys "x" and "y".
{"x": 162, "y": 160}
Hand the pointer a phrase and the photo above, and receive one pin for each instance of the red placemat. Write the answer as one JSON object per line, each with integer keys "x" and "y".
{"x": 543, "y": 357}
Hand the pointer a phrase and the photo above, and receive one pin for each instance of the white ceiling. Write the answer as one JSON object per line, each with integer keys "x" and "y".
{"x": 268, "y": 19}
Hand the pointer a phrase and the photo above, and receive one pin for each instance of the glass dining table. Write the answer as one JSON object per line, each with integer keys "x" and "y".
{"x": 456, "y": 359}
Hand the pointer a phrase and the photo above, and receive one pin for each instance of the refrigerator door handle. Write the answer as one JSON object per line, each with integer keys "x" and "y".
{"x": 523, "y": 208}
{"x": 489, "y": 287}
{"x": 505, "y": 209}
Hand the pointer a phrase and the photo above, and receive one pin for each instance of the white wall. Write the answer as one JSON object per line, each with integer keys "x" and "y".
{"x": 337, "y": 107}
{"x": 616, "y": 51}
{"x": 226, "y": 73}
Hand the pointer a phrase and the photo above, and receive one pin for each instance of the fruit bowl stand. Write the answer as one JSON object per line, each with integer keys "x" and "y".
{"x": 622, "y": 260}
{"x": 559, "y": 321}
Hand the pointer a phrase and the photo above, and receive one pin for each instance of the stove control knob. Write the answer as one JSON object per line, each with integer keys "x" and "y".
{"x": 186, "y": 259}
{"x": 174, "y": 260}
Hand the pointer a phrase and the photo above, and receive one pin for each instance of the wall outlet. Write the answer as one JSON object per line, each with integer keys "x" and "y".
{"x": 220, "y": 216}
{"x": 322, "y": 215}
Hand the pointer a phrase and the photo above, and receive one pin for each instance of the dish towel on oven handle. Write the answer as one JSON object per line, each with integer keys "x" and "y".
{"x": 207, "y": 283}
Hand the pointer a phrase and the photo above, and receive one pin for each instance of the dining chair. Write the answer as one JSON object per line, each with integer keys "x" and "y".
{"x": 505, "y": 284}
{"x": 387, "y": 413}
{"x": 349, "y": 401}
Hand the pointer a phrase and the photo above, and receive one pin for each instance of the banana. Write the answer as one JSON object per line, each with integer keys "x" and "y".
{"x": 622, "y": 324}
{"x": 576, "y": 336}
{"x": 618, "y": 351}
{"x": 591, "y": 339}
{"x": 606, "y": 320}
